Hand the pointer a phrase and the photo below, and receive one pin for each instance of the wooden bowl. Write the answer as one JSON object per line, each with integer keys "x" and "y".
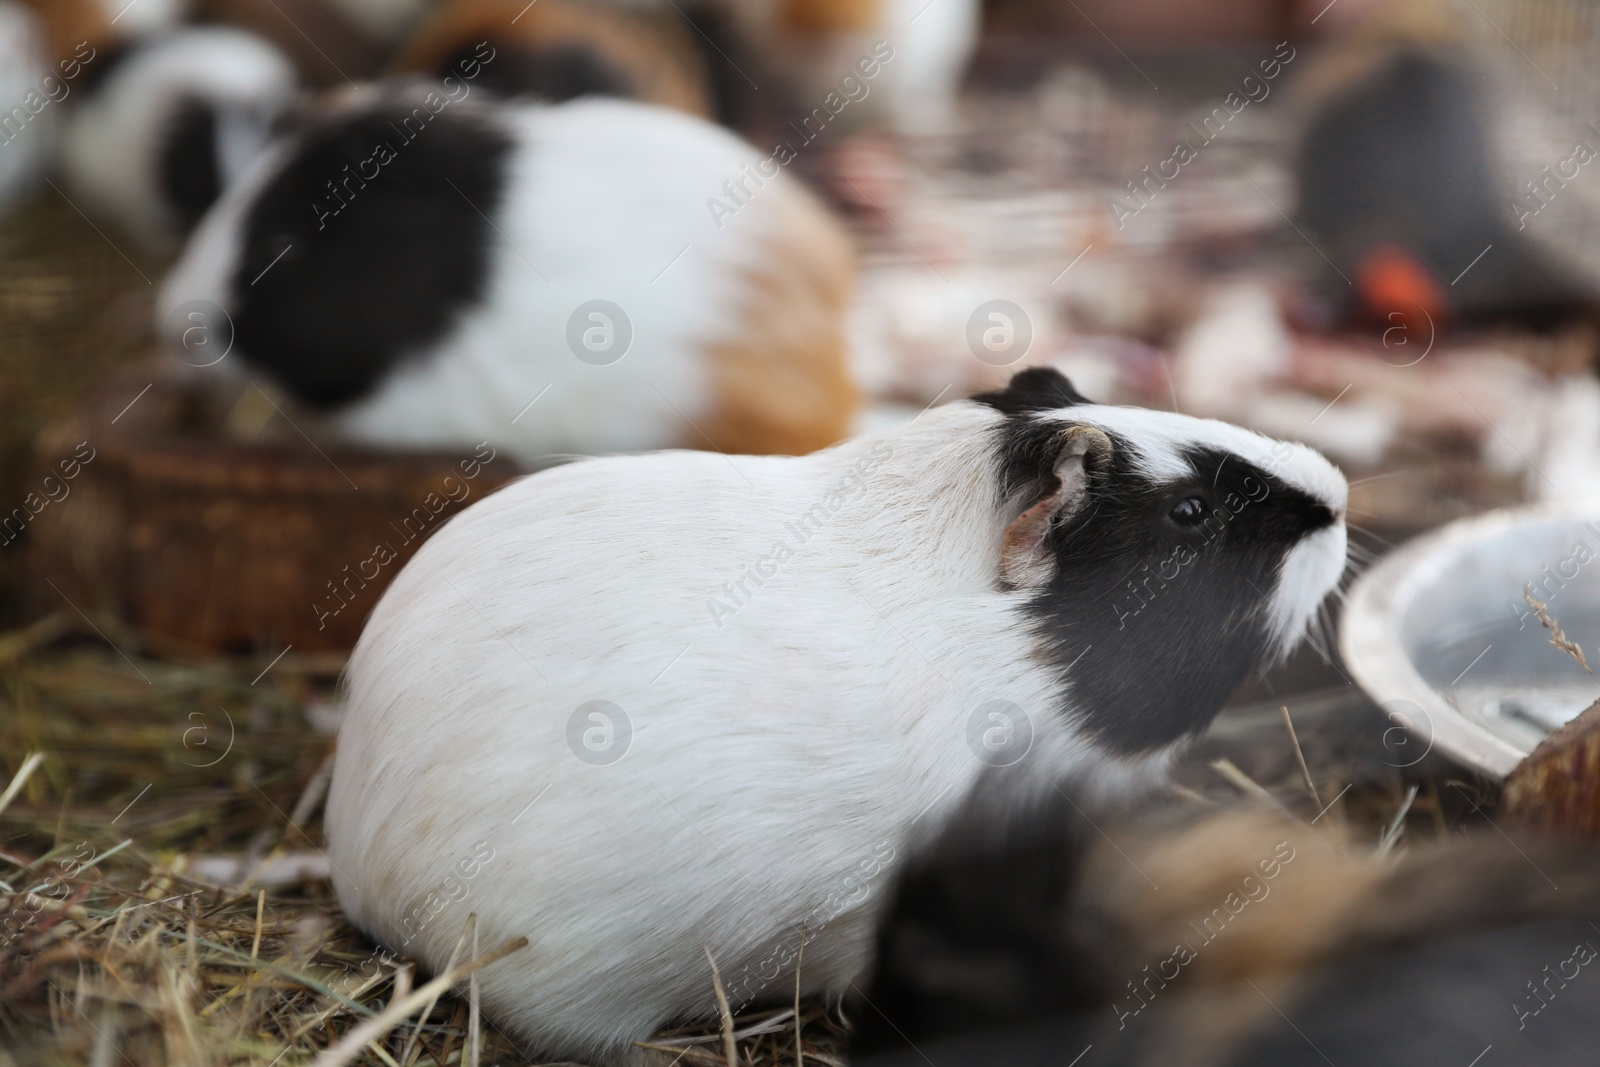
{"x": 142, "y": 508}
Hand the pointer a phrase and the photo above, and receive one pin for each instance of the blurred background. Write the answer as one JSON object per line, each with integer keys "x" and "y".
{"x": 230, "y": 371}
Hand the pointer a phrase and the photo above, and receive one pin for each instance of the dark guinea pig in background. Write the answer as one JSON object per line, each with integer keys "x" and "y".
{"x": 1268, "y": 943}
{"x": 1404, "y": 184}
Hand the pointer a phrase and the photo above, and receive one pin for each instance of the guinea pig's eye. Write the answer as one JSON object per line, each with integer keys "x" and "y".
{"x": 1190, "y": 511}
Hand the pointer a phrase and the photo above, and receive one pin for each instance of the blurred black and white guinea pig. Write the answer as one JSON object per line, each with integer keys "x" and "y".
{"x": 28, "y": 85}
{"x": 1032, "y": 942}
{"x": 701, "y": 704}
{"x": 421, "y": 266}
{"x": 557, "y": 51}
{"x": 171, "y": 121}
{"x": 50, "y": 52}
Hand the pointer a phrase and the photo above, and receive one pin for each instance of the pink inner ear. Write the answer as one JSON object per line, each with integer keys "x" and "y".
{"x": 1020, "y": 547}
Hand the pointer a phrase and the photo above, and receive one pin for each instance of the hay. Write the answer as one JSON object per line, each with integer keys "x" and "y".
{"x": 113, "y": 951}
{"x": 123, "y": 777}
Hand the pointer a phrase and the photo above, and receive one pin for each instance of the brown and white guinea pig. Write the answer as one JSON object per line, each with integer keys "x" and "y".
{"x": 102, "y": 24}
{"x": 169, "y": 122}
{"x": 712, "y": 56}
{"x": 645, "y": 709}
{"x": 558, "y": 51}
{"x": 1235, "y": 939}
{"x": 892, "y": 63}
{"x": 421, "y": 265}
{"x": 815, "y": 45}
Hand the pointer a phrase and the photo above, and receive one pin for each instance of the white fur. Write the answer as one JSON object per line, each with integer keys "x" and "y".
{"x": 607, "y": 200}
{"x": 386, "y": 21}
{"x": 933, "y": 41}
{"x": 135, "y": 18}
{"x": 113, "y": 138}
{"x": 24, "y": 142}
{"x": 822, "y": 726}
{"x": 1160, "y": 437}
{"x": 915, "y": 91}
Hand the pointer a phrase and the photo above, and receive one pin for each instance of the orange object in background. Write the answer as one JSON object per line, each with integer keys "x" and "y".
{"x": 1392, "y": 281}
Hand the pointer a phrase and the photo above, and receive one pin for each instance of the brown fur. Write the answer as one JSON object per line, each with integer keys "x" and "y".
{"x": 828, "y": 16}
{"x": 69, "y": 23}
{"x": 651, "y": 50}
{"x": 1298, "y": 920}
{"x": 1333, "y": 901}
{"x": 1271, "y": 942}
{"x": 781, "y": 383}
{"x": 326, "y": 46}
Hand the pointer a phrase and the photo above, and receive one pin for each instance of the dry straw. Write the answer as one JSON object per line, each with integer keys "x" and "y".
{"x": 121, "y": 782}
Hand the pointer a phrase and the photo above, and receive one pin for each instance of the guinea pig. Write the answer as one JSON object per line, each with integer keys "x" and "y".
{"x": 1400, "y": 180}
{"x": 558, "y": 51}
{"x": 1194, "y": 938}
{"x": 170, "y": 122}
{"x": 420, "y": 266}
{"x": 930, "y": 45}
{"x": 102, "y": 25}
{"x": 891, "y": 62}
{"x": 51, "y": 51}
{"x": 24, "y": 141}
{"x": 894, "y": 63}
{"x": 659, "y": 710}
{"x": 386, "y": 21}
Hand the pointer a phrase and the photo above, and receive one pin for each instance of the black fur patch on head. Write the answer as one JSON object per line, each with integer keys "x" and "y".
{"x": 1161, "y": 601}
{"x": 555, "y": 73}
{"x": 379, "y": 218}
{"x": 1034, "y": 389}
{"x": 188, "y": 171}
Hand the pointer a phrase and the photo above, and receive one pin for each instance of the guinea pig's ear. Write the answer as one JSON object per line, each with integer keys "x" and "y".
{"x": 1025, "y": 560}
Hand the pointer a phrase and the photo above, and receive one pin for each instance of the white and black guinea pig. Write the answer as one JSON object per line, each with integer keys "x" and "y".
{"x": 642, "y": 709}
{"x": 27, "y": 85}
{"x": 169, "y": 122}
{"x": 430, "y": 268}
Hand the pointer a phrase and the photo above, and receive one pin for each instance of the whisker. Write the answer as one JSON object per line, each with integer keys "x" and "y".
{"x": 1356, "y": 527}
{"x": 1379, "y": 477}
{"x": 1361, "y": 554}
